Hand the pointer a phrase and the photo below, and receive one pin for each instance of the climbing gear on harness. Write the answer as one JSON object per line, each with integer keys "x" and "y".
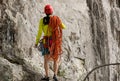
{"x": 45, "y": 79}
{"x": 55, "y": 49}
{"x": 55, "y": 78}
{"x": 40, "y": 46}
{"x": 44, "y": 45}
{"x": 48, "y": 9}
{"x": 47, "y": 41}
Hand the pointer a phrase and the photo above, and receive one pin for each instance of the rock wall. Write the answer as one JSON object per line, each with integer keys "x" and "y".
{"x": 105, "y": 37}
{"x": 92, "y": 38}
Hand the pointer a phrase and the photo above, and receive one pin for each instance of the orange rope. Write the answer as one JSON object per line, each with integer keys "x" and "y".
{"x": 55, "y": 49}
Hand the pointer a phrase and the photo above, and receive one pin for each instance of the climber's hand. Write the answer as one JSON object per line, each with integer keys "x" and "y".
{"x": 35, "y": 46}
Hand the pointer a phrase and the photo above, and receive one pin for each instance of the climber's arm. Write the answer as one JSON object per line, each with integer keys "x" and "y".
{"x": 39, "y": 32}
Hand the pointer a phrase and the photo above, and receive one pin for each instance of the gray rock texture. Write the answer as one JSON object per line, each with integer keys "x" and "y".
{"x": 91, "y": 39}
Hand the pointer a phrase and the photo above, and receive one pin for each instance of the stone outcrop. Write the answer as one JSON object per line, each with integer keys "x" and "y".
{"x": 105, "y": 38}
{"x": 92, "y": 38}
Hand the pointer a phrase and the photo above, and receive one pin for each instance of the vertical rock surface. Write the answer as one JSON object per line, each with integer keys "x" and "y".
{"x": 105, "y": 38}
{"x": 92, "y": 38}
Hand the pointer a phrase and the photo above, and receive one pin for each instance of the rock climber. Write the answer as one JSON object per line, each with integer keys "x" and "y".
{"x": 51, "y": 26}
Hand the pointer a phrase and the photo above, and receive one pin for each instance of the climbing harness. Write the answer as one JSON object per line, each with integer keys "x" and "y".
{"x": 44, "y": 44}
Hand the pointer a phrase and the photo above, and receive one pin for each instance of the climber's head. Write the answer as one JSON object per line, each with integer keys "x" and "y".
{"x": 48, "y": 9}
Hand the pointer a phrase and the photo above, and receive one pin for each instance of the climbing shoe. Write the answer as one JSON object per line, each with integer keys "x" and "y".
{"x": 55, "y": 78}
{"x": 45, "y": 79}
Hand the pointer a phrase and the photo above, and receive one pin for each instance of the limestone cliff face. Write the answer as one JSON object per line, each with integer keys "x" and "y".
{"x": 92, "y": 38}
{"x": 105, "y": 25}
